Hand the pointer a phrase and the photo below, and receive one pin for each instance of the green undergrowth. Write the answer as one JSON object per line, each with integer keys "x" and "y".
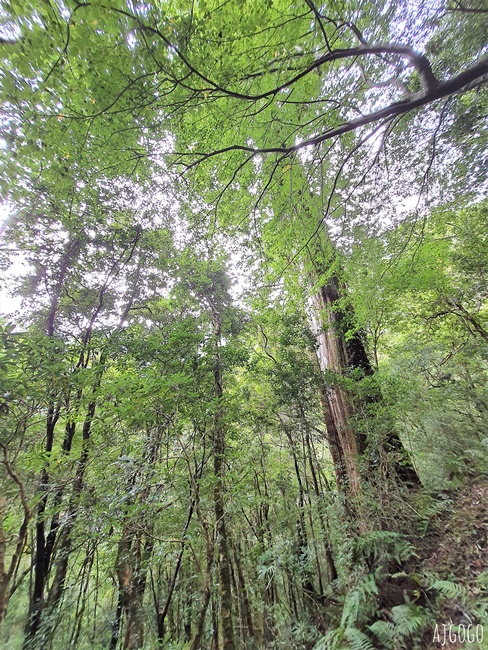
{"x": 400, "y": 588}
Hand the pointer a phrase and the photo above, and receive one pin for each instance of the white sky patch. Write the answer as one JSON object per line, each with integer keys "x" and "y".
{"x": 240, "y": 274}
{"x": 9, "y": 30}
{"x": 131, "y": 41}
{"x": 306, "y": 154}
{"x": 9, "y": 304}
{"x": 408, "y": 204}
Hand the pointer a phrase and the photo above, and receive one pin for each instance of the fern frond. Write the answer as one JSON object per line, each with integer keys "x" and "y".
{"x": 384, "y": 631}
{"x": 358, "y": 640}
{"x": 482, "y": 579}
{"x": 408, "y": 619}
{"x": 351, "y": 608}
{"x": 363, "y": 592}
{"x": 449, "y": 589}
{"x": 331, "y": 641}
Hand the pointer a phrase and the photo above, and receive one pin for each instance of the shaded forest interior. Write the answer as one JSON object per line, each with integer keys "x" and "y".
{"x": 244, "y": 329}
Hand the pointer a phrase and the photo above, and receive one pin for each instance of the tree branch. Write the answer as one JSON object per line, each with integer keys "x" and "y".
{"x": 22, "y": 534}
{"x": 473, "y": 77}
{"x": 417, "y": 60}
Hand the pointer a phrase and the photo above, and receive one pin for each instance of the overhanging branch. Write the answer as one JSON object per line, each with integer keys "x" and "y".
{"x": 473, "y": 77}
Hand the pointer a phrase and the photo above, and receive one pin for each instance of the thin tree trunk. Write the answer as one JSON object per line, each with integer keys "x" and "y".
{"x": 331, "y": 568}
{"x": 218, "y": 440}
{"x": 3, "y": 573}
{"x": 163, "y": 612}
{"x": 264, "y": 536}
{"x": 65, "y": 545}
{"x": 242, "y": 590}
{"x": 196, "y": 644}
{"x": 302, "y": 535}
{"x": 188, "y": 605}
{"x": 83, "y": 594}
{"x": 8, "y": 574}
{"x": 43, "y": 550}
{"x": 215, "y": 624}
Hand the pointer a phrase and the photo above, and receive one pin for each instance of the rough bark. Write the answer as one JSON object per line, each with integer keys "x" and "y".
{"x": 339, "y": 356}
{"x": 131, "y": 591}
{"x": 332, "y": 355}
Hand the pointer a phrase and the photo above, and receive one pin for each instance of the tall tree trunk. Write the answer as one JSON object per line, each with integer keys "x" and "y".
{"x": 44, "y": 548}
{"x": 218, "y": 444}
{"x": 130, "y": 591}
{"x": 65, "y": 541}
{"x": 243, "y": 591}
{"x": 83, "y": 595}
{"x": 263, "y": 532}
{"x": 338, "y": 356}
{"x": 331, "y": 568}
{"x": 132, "y": 565}
{"x": 65, "y": 545}
{"x": 188, "y": 609}
{"x": 44, "y": 545}
{"x": 196, "y": 643}
{"x": 302, "y": 535}
{"x": 332, "y": 356}
{"x": 162, "y": 612}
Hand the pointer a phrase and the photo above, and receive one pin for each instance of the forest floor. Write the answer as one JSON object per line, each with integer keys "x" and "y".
{"x": 456, "y": 549}
{"x": 462, "y": 535}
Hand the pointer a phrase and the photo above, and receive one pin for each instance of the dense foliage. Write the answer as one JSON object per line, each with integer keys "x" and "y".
{"x": 244, "y": 401}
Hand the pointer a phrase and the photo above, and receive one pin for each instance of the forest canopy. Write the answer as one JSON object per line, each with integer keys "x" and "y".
{"x": 243, "y": 392}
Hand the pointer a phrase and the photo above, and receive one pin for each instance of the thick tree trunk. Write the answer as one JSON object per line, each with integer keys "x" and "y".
{"x": 338, "y": 356}
{"x": 332, "y": 355}
{"x": 131, "y": 592}
{"x": 134, "y": 631}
